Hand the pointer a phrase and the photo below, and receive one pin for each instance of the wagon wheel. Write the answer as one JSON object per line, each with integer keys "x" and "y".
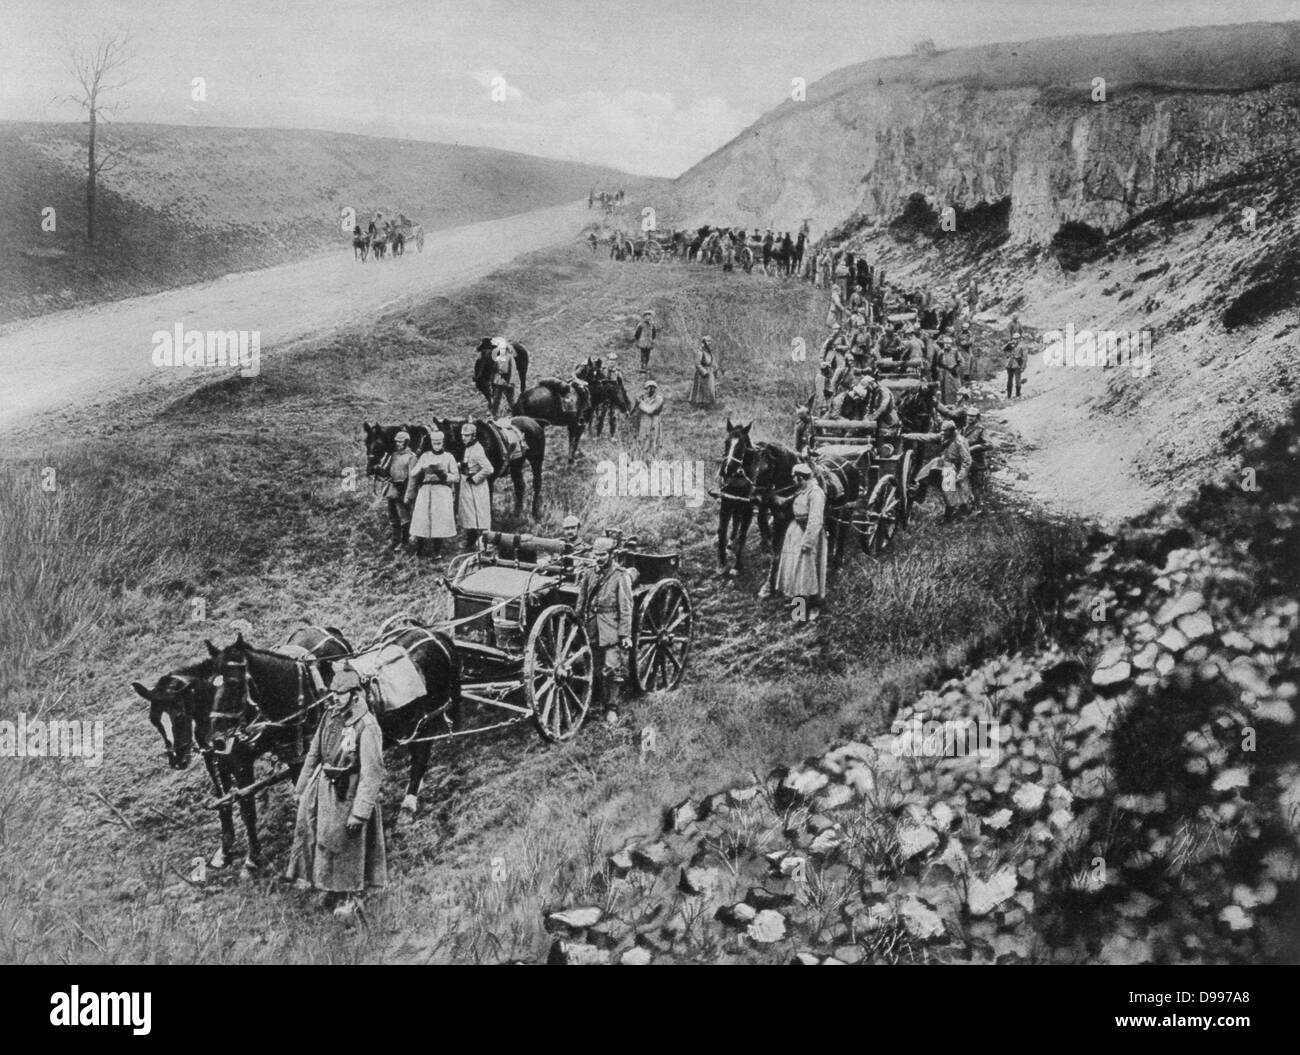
{"x": 906, "y": 470}
{"x": 558, "y": 672}
{"x": 882, "y": 516}
{"x": 661, "y": 636}
{"x": 654, "y": 252}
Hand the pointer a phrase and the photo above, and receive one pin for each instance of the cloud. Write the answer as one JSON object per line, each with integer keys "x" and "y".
{"x": 495, "y": 82}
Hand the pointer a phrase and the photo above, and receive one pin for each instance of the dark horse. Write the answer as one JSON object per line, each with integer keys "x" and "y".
{"x": 753, "y": 476}
{"x": 187, "y": 699}
{"x": 437, "y": 712}
{"x": 360, "y": 244}
{"x": 495, "y": 446}
{"x": 485, "y": 367}
{"x": 556, "y": 402}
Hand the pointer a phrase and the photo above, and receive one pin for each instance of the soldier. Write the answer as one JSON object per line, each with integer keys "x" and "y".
{"x": 880, "y": 406}
{"x": 947, "y": 369}
{"x": 400, "y": 464}
{"x": 978, "y": 445}
{"x": 430, "y": 497}
{"x": 857, "y": 301}
{"x": 605, "y": 607}
{"x": 953, "y": 464}
{"x": 1015, "y": 366}
{"x": 338, "y": 842}
{"x": 966, "y": 346}
{"x": 850, "y": 405}
{"x": 644, "y": 338}
{"x": 649, "y": 424}
{"x": 503, "y": 374}
{"x": 475, "y": 496}
{"x": 801, "y": 568}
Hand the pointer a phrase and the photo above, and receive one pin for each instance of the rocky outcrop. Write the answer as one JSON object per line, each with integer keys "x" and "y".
{"x": 1129, "y": 793}
{"x": 983, "y": 128}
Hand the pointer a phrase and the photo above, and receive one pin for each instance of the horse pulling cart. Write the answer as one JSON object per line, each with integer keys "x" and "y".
{"x": 523, "y": 647}
{"x": 884, "y": 466}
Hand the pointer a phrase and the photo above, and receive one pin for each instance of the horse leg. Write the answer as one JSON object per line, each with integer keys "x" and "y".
{"x": 724, "y": 523}
{"x": 535, "y": 461}
{"x": 222, "y": 783}
{"x": 248, "y": 813}
{"x": 744, "y": 517}
{"x": 419, "y": 764}
{"x": 517, "y": 478}
{"x": 778, "y": 542}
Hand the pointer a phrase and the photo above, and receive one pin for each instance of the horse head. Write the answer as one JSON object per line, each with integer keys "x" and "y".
{"x": 380, "y": 444}
{"x": 234, "y": 698}
{"x": 184, "y": 698}
{"x": 737, "y": 452}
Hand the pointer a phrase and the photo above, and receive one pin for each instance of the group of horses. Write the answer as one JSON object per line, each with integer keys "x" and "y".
{"x": 730, "y": 247}
{"x": 243, "y": 703}
{"x": 380, "y": 241}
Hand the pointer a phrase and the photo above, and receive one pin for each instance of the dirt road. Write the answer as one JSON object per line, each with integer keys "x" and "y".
{"x": 84, "y": 357}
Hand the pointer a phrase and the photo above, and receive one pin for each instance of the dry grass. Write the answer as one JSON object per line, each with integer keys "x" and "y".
{"x": 246, "y": 511}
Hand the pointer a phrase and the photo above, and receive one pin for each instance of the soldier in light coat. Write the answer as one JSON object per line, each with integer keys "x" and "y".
{"x": 475, "y": 495}
{"x": 801, "y": 573}
{"x": 605, "y": 607}
{"x": 431, "y": 496}
{"x": 338, "y": 843}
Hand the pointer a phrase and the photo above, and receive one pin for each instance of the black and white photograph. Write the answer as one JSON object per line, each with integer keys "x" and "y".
{"x": 548, "y": 482}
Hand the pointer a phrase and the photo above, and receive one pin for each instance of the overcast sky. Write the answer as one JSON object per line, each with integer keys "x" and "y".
{"x": 649, "y": 86}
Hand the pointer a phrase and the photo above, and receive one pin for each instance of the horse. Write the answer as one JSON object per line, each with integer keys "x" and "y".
{"x": 485, "y": 366}
{"x": 187, "y": 697}
{"x": 379, "y": 245}
{"x": 753, "y": 476}
{"x": 495, "y": 446}
{"x": 360, "y": 244}
{"x": 398, "y": 241}
{"x": 556, "y": 402}
{"x": 844, "y": 483}
{"x": 435, "y": 657}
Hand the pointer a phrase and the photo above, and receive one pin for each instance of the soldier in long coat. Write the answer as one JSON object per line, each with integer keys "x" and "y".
{"x": 801, "y": 573}
{"x": 338, "y": 843}
{"x": 704, "y": 392}
{"x": 954, "y": 465}
{"x": 431, "y": 495}
{"x": 475, "y": 495}
{"x": 605, "y": 607}
{"x": 503, "y": 375}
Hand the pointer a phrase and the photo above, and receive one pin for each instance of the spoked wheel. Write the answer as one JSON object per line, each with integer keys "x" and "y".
{"x": 558, "y": 672}
{"x": 906, "y": 468}
{"x": 882, "y": 516}
{"x": 661, "y": 636}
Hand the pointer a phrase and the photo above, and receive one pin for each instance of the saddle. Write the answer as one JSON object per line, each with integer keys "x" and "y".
{"x": 513, "y": 443}
{"x": 389, "y": 678}
{"x": 570, "y": 397}
{"x": 303, "y": 655}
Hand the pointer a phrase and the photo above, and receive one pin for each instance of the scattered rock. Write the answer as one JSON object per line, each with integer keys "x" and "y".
{"x": 767, "y": 927}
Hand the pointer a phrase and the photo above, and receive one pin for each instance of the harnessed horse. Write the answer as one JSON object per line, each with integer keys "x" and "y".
{"x": 753, "y": 476}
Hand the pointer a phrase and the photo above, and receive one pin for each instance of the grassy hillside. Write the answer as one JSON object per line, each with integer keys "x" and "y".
{"x": 186, "y": 204}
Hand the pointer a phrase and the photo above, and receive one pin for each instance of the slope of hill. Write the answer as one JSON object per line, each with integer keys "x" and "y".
{"x": 1015, "y": 122}
{"x": 187, "y": 204}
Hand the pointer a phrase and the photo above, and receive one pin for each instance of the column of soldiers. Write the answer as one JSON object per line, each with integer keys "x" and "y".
{"x": 934, "y": 345}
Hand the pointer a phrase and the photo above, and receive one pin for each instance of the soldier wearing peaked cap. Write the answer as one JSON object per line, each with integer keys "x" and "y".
{"x": 605, "y": 608}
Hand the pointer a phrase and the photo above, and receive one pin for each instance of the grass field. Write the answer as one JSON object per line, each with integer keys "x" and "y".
{"x": 236, "y": 494}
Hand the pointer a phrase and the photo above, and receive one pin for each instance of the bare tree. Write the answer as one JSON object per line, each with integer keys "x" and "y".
{"x": 100, "y": 68}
